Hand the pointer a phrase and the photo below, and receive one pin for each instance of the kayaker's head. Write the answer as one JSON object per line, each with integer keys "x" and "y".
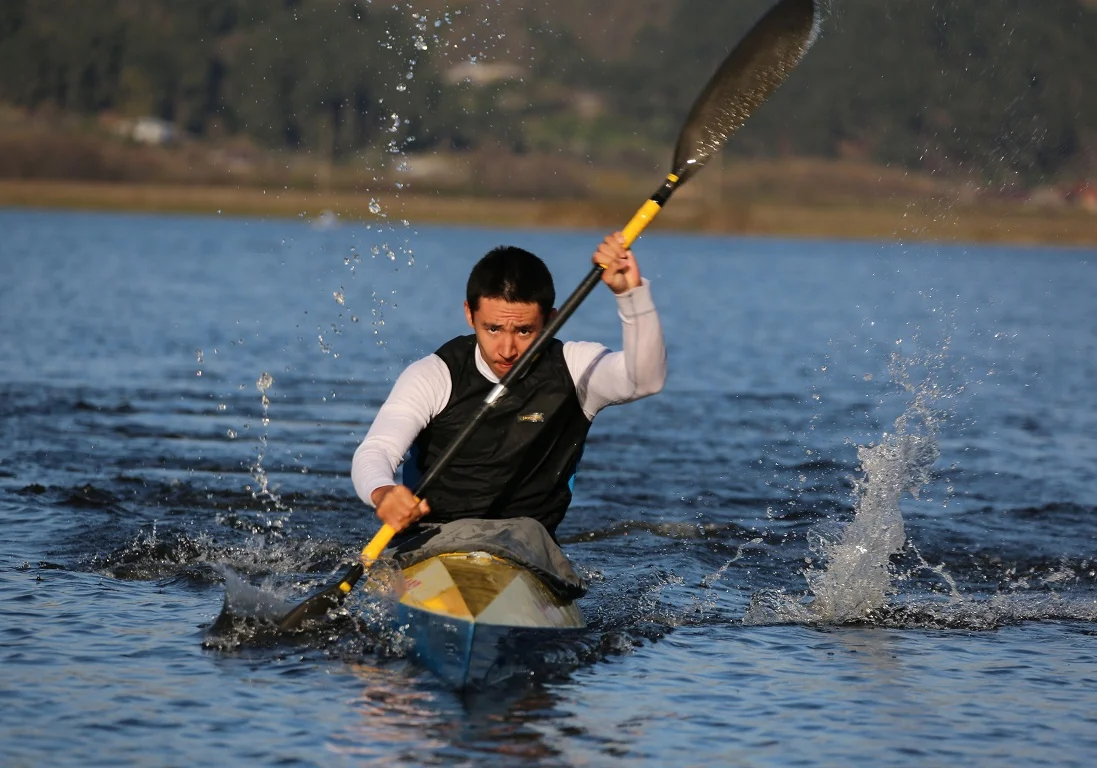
{"x": 508, "y": 300}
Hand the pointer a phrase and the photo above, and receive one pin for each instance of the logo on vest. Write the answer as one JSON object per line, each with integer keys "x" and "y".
{"x": 531, "y": 418}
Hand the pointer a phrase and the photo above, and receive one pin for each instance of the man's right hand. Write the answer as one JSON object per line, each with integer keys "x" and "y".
{"x": 397, "y": 506}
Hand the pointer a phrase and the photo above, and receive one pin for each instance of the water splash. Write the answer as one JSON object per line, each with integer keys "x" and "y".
{"x": 857, "y": 577}
{"x": 705, "y": 604}
{"x": 261, "y": 489}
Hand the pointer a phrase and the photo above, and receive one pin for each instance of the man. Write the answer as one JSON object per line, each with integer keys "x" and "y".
{"x": 521, "y": 460}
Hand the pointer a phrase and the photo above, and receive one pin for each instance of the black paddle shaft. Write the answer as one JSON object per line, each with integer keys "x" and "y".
{"x": 520, "y": 368}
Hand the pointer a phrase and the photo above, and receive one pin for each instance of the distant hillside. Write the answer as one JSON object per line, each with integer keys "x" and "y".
{"x": 999, "y": 90}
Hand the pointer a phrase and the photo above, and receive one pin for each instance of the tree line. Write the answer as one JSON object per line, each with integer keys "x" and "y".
{"x": 998, "y": 87}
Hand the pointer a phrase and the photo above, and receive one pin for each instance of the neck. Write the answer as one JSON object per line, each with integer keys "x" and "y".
{"x": 483, "y": 367}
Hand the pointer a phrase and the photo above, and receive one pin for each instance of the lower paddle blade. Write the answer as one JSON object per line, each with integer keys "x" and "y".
{"x": 316, "y": 606}
{"x": 224, "y": 622}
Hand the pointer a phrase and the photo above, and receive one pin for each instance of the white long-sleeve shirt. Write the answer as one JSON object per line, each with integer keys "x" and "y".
{"x": 601, "y": 378}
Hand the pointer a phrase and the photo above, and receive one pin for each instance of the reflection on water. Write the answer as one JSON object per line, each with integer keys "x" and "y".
{"x": 424, "y": 725}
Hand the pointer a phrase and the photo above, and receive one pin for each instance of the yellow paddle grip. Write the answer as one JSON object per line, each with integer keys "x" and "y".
{"x": 647, "y": 212}
{"x": 372, "y": 551}
{"x": 640, "y": 220}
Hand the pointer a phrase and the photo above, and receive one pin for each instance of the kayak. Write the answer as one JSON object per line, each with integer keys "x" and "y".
{"x": 475, "y": 619}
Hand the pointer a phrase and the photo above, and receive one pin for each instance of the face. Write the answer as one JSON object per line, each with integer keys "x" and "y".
{"x": 504, "y": 331}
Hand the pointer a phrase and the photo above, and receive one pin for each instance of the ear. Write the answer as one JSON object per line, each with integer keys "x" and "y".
{"x": 468, "y": 316}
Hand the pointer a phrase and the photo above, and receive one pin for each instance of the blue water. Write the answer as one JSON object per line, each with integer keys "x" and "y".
{"x": 858, "y": 526}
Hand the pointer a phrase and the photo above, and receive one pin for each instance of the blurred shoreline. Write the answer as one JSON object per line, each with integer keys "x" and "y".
{"x": 887, "y": 219}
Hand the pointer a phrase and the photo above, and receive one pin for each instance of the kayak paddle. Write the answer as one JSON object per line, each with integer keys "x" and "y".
{"x": 751, "y": 72}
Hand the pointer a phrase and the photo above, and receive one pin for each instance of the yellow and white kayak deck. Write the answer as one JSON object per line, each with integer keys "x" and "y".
{"x": 469, "y": 616}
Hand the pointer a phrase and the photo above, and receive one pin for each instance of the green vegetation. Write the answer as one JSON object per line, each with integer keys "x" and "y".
{"x": 998, "y": 90}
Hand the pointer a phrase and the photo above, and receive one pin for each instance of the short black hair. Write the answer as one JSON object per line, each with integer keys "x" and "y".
{"x": 513, "y": 275}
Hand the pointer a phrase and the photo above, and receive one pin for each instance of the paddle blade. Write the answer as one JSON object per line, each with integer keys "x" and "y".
{"x": 316, "y": 606}
{"x": 750, "y": 73}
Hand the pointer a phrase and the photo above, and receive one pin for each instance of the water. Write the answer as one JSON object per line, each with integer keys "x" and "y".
{"x": 857, "y": 525}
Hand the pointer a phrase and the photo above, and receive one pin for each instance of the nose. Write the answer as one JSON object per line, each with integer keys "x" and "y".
{"x": 509, "y": 348}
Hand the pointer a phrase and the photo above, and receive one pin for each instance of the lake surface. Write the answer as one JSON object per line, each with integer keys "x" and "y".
{"x": 859, "y": 525}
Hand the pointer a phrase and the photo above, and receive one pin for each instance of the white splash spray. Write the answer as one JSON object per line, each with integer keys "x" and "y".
{"x": 857, "y": 577}
{"x": 261, "y": 489}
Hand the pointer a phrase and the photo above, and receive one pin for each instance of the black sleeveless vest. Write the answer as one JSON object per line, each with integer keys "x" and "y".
{"x": 521, "y": 460}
